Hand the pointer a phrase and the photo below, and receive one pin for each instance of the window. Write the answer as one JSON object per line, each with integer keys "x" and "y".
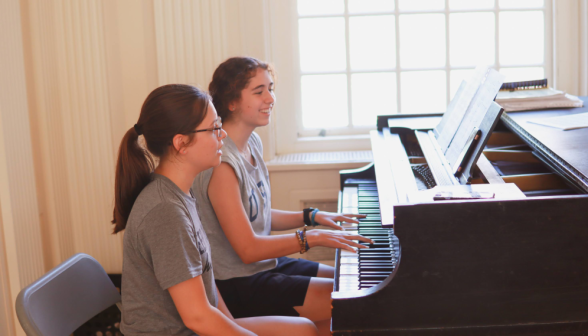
{"x": 356, "y": 59}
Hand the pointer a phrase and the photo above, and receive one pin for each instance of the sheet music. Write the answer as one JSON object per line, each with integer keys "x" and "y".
{"x": 475, "y": 113}
{"x": 566, "y": 122}
{"x": 458, "y": 106}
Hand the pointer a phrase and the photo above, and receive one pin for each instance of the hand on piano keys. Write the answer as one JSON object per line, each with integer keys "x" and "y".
{"x": 349, "y": 241}
{"x": 330, "y": 219}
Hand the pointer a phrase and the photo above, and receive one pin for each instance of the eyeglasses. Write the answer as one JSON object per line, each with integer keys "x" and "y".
{"x": 217, "y": 129}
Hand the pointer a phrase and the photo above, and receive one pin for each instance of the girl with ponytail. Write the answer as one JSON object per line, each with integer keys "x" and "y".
{"x": 168, "y": 284}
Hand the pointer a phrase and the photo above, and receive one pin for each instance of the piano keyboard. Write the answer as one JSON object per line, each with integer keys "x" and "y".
{"x": 367, "y": 267}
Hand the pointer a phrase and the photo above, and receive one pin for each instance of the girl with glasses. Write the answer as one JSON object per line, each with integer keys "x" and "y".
{"x": 234, "y": 199}
{"x": 168, "y": 283}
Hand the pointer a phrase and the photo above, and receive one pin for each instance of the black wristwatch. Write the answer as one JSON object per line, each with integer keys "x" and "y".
{"x": 306, "y": 216}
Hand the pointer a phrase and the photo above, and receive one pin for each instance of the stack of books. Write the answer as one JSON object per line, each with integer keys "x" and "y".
{"x": 534, "y": 95}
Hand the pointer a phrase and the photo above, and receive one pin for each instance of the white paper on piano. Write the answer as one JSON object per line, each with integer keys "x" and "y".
{"x": 504, "y": 191}
{"x": 475, "y": 113}
{"x": 458, "y": 106}
{"x": 567, "y": 122}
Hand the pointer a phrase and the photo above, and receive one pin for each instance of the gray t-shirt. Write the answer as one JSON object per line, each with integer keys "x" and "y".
{"x": 164, "y": 245}
{"x": 255, "y": 196}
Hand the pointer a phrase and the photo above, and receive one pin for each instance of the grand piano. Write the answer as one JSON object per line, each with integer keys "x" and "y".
{"x": 515, "y": 264}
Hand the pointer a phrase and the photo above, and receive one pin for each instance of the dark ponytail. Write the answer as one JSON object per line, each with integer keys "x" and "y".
{"x": 167, "y": 111}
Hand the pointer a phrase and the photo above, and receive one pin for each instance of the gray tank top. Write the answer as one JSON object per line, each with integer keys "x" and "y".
{"x": 255, "y": 196}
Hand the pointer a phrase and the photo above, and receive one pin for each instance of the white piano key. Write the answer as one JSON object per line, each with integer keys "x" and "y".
{"x": 349, "y": 260}
{"x": 348, "y": 268}
{"x": 350, "y": 198}
{"x": 348, "y": 288}
{"x": 345, "y": 253}
{"x": 347, "y": 277}
{"x": 350, "y": 210}
{"x": 349, "y": 283}
{"x": 349, "y": 227}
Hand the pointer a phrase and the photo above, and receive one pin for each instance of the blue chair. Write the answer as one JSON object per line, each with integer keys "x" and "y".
{"x": 65, "y": 298}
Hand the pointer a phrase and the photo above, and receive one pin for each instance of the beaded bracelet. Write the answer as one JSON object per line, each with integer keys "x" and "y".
{"x": 306, "y": 241}
{"x": 302, "y": 241}
{"x": 300, "y": 238}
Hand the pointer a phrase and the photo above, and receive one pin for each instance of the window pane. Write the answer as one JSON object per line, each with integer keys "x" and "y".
{"x": 423, "y": 91}
{"x": 471, "y": 4}
{"x": 322, "y": 44}
{"x": 372, "y": 94}
{"x": 422, "y": 40}
{"x": 471, "y": 39}
{"x": 520, "y": 3}
{"x": 371, "y": 40}
{"x": 313, "y": 7}
{"x": 455, "y": 79}
{"x": 324, "y": 101}
{"x": 522, "y": 74}
{"x": 421, "y": 5}
{"x": 521, "y": 38}
{"x": 370, "y": 6}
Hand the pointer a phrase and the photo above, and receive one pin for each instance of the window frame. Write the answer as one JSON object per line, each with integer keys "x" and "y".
{"x": 285, "y": 56}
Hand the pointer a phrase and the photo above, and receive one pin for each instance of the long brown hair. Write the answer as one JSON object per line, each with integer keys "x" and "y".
{"x": 167, "y": 111}
{"x": 229, "y": 78}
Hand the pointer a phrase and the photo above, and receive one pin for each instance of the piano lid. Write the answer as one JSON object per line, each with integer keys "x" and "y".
{"x": 564, "y": 149}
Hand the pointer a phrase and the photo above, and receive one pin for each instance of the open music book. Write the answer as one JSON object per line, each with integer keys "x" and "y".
{"x": 453, "y": 147}
{"x": 471, "y": 116}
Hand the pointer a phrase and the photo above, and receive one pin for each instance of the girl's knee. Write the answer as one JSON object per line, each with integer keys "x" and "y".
{"x": 306, "y": 327}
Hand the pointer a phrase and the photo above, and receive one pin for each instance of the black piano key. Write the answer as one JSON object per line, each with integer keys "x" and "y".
{"x": 374, "y": 257}
{"x": 371, "y": 272}
{"x": 372, "y": 234}
{"x": 383, "y": 268}
{"x": 374, "y": 230}
{"x": 375, "y": 264}
{"x": 369, "y": 277}
{"x": 375, "y": 254}
{"x": 376, "y": 249}
{"x": 377, "y": 243}
{"x": 368, "y": 283}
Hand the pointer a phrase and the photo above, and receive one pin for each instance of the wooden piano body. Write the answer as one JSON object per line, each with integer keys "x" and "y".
{"x": 515, "y": 266}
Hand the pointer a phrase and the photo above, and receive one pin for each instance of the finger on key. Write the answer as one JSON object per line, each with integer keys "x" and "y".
{"x": 359, "y": 237}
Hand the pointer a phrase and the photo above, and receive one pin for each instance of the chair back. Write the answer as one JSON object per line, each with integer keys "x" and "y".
{"x": 66, "y": 297}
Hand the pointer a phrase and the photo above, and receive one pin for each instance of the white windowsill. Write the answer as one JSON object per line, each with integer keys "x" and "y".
{"x": 320, "y": 161}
